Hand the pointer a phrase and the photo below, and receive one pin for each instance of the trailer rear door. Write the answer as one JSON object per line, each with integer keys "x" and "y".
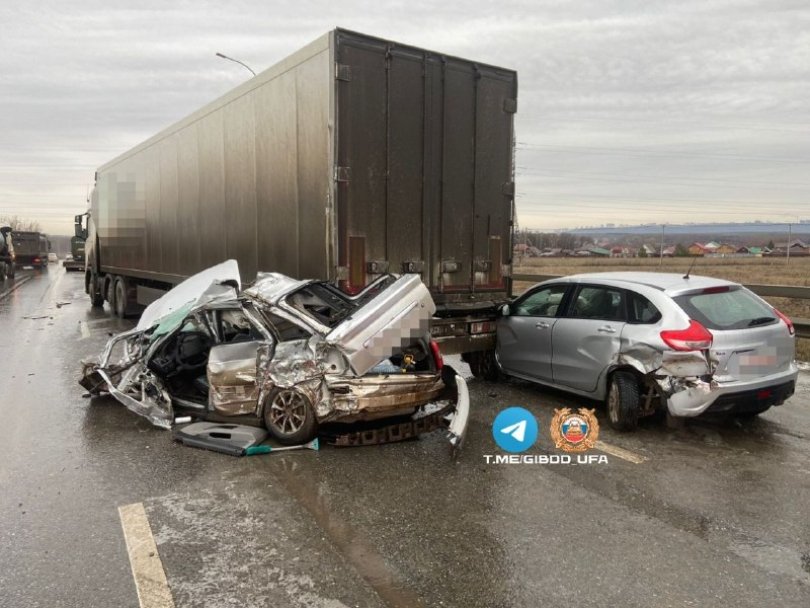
{"x": 424, "y": 168}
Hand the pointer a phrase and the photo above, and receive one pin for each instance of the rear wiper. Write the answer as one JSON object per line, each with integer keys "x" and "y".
{"x": 760, "y": 321}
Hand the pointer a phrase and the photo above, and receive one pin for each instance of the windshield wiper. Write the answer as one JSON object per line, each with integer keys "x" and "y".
{"x": 760, "y": 321}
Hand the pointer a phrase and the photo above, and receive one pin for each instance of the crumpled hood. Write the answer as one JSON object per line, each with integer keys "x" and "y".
{"x": 198, "y": 290}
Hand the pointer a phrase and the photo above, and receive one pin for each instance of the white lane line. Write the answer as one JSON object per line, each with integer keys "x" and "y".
{"x": 620, "y": 452}
{"x": 147, "y": 569}
{"x": 17, "y": 284}
{"x": 84, "y": 329}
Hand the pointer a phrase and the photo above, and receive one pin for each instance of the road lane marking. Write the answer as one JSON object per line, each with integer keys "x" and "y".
{"x": 620, "y": 452}
{"x": 84, "y": 330}
{"x": 147, "y": 569}
{"x": 17, "y": 284}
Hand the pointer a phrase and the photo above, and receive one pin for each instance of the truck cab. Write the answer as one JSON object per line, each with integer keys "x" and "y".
{"x": 6, "y": 253}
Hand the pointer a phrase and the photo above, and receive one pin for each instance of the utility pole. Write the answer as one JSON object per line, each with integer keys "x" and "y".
{"x": 661, "y": 252}
{"x": 787, "y": 251}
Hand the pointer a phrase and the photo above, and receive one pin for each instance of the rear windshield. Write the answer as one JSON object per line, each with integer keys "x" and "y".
{"x": 734, "y": 308}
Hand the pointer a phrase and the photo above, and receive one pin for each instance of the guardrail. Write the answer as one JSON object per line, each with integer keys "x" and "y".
{"x": 774, "y": 291}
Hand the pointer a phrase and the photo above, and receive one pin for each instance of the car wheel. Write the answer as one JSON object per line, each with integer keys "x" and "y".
{"x": 623, "y": 401}
{"x": 289, "y": 416}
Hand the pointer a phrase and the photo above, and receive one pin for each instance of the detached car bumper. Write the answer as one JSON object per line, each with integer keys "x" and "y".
{"x": 698, "y": 397}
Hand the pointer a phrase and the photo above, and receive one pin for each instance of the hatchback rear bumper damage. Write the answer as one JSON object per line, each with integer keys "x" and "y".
{"x": 688, "y": 387}
{"x": 689, "y": 397}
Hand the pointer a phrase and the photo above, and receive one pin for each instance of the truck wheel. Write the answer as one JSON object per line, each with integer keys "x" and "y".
{"x": 484, "y": 365}
{"x": 120, "y": 300}
{"x": 93, "y": 290}
{"x": 109, "y": 292}
{"x": 623, "y": 401}
{"x": 289, "y": 416}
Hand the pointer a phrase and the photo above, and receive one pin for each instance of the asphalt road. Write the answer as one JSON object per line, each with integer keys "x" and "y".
{"x": 713, "y": 513}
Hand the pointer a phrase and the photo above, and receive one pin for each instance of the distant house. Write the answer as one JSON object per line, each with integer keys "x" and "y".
{"x": 599, "y": 251}
{"x": 712, "y": 246}
{"x": 725, "y": 249}
{"x": 698, "y": 249}
{"x": 650, "y": 250}
{"x": 755, "y": 251}
{"x": 797, "y": 247}
{"x": 669, "y": 252}
{"x": 622, "y": 251}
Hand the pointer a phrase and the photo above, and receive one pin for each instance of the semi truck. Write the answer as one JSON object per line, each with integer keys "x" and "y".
{"x": 352, "y": 158}
{"x": 76, "y": 259}
{"x": 30, "y": 249}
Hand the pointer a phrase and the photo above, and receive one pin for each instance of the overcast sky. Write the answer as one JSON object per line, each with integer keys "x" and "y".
{"x": 629, "y": 111}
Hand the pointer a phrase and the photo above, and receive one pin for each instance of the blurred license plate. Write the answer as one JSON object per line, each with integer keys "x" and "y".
{"x": 757, "y": 360}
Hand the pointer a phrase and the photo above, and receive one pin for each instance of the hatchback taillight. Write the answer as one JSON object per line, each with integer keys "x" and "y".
{"x": 694, "y": 337}
{"x": 437, "y": 355}
{"x": 787, "y": 321}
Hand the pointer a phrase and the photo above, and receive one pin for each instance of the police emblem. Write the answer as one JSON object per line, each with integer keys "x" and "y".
{"x": 574, "y": 432}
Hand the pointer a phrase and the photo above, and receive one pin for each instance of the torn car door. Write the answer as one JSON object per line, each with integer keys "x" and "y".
{"x": 231, "y": 374}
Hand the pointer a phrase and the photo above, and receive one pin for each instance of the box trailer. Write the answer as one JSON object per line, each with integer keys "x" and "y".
{"x": 351, "y": 158}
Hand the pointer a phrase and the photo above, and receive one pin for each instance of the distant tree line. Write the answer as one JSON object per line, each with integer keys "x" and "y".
{"x": 19, "y": 224}
{"x": 551, "y": 240}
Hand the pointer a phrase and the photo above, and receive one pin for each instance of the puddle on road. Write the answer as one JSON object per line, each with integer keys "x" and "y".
{"x": 366, "y": 560}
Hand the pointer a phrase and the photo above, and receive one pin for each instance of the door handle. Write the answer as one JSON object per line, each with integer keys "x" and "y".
{"x": 542, "y": 325}
{"x": 606, "y": 329}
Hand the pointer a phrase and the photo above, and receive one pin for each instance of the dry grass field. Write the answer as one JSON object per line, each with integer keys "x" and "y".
{"x": 769, "y": 271}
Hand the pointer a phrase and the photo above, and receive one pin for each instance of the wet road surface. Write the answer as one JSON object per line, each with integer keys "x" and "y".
{"x": 713, "y": 513}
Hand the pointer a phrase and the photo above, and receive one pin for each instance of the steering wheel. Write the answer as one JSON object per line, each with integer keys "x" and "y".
{"x": 191, "y": 350}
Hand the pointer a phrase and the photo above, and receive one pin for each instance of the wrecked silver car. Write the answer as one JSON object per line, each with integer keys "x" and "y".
{"x": 291, "y": 355}
{"x": 646, "y": 341}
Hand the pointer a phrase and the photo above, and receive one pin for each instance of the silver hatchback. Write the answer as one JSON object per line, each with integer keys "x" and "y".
{"x": 650, "y": 341}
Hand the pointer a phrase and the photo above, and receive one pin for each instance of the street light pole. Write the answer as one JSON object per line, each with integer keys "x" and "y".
{"x": 787, "y": 249}
{"x": 244, "y": 65}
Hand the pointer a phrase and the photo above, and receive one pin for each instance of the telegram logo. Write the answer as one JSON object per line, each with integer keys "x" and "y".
{"x": 515, "y": 429}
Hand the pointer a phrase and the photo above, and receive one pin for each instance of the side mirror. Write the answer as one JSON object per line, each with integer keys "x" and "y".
{"x": 77, "y": 230}
{"x": 505, "y": 310}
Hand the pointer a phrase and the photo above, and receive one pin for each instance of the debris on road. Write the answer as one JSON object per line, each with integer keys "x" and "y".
{"x": 231, "y": 439}
{"x": 267, "y": 449}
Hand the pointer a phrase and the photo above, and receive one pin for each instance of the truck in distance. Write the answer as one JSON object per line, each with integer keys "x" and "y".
{"x": 76, "y": 259}
{"x": 31, "y": 249}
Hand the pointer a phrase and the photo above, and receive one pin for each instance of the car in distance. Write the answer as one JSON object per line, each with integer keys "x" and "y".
{"x": 646, "y": 341}
{"x": 53, "y": 258}
{"x": 286, "y": 354}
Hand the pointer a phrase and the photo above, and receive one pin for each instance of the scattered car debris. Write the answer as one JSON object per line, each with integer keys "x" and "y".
{"x": 290, "y": 355}
{"x": 61, "y": 304}
{"x": 231, "y": 439}
{"x": 268, "y": 449}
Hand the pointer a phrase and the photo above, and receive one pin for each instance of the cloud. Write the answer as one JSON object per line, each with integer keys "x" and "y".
{"x": 651, "y": 110}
